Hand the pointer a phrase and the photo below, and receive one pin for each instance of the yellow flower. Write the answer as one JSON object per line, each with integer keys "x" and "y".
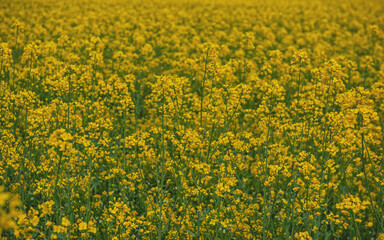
{"x": 369, "y": 224}
{"x": 46, "y": 208}
{"x": 303, "y": 236}
{"x": 59, "y": 229}
{"x": 35, "y": 220}
{"x": 83, "y": 226}
{"x": 380, "y": 237}
{"x": 65, "y": 222}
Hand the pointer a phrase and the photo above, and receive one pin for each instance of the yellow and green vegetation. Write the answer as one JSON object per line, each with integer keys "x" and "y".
{"x": 191, "y": 119}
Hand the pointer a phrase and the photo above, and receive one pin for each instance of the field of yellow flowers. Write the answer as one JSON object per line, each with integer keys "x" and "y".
{"x": 191, "y": 119}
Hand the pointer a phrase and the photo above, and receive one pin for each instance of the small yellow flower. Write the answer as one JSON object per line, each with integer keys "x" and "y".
{"x": 35, "y": 220}
{"x": 83, "y": 226}
{"x": 65, "y": 222}
{"x": 345, "y": 225}
{"x": 380, "y": 237}
{"x": 303, "y": 236}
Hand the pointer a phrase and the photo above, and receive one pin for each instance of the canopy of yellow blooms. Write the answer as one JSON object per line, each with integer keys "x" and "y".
{"x": 191, "y": 119}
